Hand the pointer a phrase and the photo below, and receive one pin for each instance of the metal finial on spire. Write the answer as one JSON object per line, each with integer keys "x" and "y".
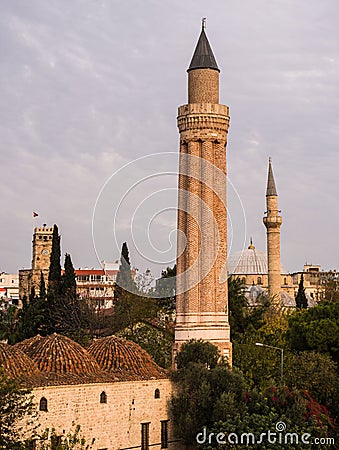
{"x": 203, "y": 57}
{"x": 269, "y": 159}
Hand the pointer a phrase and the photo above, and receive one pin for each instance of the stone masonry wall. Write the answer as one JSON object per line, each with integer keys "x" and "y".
{"x": 115, "y": 424}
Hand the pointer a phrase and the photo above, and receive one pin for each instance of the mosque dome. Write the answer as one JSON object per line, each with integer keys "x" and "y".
{"x": 249, "y": 262}
{"x": 16, "y": 363}
{"x": 60, "y": 355}
{"x": 115, "y": 354}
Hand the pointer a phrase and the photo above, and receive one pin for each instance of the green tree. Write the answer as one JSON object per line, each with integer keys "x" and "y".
{"x": 165, "y": 290}
{"x": 134, "y": 303}
{"x": 54, "y": 276}
{"x": 42, "y": 290}
{"x": 313, "y": 372}
{"x": 216, "y": 399}
{"x": 68, "y": 280}
{"x": 9, "y": 316}
{"x": 316, "y": 329}
{"x": 331, "y": 286}
{"x": 266, "y": 324}
{"x": 301, "y": 300}
{"x": 141, "y": 317}
{"x": 62, "y": 308}
{"x": 198, "y": 352}
{"x": 259, "y": 412}
{"x": 199, "y": 385}
{"x": 17, "y": 413}
{"x": 124, "y": 281}
{"x": 32, "y": 316}
{"x": 238, "y": 308}
{"x": 261, "y": 366}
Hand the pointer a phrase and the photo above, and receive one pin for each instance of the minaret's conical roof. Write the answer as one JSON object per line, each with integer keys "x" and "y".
{"x": 271, "y": 189}
{"x": 203, "y": 57}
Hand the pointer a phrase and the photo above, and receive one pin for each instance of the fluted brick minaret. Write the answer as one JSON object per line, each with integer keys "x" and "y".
{"x": 202, "y": 297}
{"x": 273, "y": 222}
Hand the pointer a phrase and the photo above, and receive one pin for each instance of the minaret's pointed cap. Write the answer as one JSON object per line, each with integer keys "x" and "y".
{"x": 203, "y": 57}
{"x": 271, "y": 189}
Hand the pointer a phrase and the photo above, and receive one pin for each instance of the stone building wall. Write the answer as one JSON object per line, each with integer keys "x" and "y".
{"x": 115, "y": 424}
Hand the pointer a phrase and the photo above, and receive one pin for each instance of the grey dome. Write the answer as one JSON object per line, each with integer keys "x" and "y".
{"x": 249, "y": 262}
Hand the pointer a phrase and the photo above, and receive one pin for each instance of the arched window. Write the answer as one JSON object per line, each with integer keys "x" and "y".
{"x": 103, "y": 397}
{"x": 259, "y": 280}
{"x": 43, "y": 404}
{"x": 285, "y": 280}
{"x": 157, "y": 393}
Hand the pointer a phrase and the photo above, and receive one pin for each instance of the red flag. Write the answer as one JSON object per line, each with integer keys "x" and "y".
{"x": 35, "y": 214}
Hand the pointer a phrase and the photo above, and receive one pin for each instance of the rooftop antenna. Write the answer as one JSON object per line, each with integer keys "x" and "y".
{"x": 203, "y": 23}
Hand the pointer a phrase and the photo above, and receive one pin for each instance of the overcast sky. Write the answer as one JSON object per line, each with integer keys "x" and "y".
{"x": 88, "y": 86}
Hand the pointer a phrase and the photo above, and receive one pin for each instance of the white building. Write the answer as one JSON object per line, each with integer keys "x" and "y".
{"x": 9, "y": 287}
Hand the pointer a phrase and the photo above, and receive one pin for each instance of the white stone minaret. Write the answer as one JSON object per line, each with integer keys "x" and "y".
{"x": 273, "y": 222}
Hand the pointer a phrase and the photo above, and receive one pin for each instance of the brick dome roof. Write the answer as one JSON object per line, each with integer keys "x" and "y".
{"x": 16, "y": 363}
{"x": 27, "y": 345}
{"x": 117, "y": 354}
{"x": 60, "y": 354}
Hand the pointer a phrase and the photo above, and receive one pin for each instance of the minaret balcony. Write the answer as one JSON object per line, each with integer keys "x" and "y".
{"x": 272, "y": 221}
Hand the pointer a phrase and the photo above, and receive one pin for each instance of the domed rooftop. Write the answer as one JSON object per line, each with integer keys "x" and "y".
{"x": 116, "y": 354}
{"x": 17, "y": 364}
{"x": 62, "y": 360}
{"x": 249, "y": 262}
{"x": 28, "y": 344}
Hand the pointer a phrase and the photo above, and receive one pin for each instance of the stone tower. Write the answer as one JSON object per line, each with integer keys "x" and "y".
{"x": 273, "y": 222}
{"x": 42, "y": 247}
{"x": 201, "y": 286}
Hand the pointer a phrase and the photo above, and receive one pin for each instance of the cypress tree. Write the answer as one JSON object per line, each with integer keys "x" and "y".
{"x": 124, "y": 277}
{"x": 124, "y": 292}
{"x": 69, "y": 285}
{"x": 301, "y": 300}
{"x": 54, "y": 276}
{"x": 42, "y": 293}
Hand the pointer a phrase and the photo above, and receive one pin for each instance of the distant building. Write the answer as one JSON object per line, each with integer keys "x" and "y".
{"x": 9, "y": 288}
{"x": 251, "y": 266}
{"x": 98, "y": 284}
{"x": 94, "y": 284}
